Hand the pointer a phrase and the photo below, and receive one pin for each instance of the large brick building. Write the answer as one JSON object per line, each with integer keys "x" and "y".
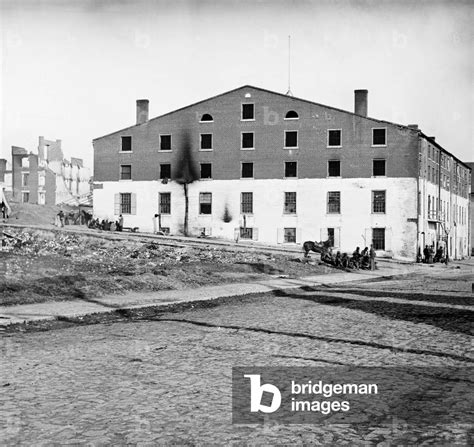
{"x": 278, "y": 169}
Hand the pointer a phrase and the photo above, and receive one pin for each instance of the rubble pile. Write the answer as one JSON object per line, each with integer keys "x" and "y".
{"x": 112, "y": 252}
{"x": 39, "y": 265}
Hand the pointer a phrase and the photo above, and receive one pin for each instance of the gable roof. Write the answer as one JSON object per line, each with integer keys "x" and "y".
{"x": 402, "y": 126}
{"x": 258, "y": 89}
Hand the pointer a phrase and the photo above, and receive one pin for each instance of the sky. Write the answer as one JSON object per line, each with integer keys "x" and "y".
{"x": 73, "y": 69}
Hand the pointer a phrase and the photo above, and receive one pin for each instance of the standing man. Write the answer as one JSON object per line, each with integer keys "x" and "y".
{"x": 120, "y": 223}
{"x": 372, "y": 257}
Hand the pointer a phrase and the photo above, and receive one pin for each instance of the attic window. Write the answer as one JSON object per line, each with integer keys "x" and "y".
{"x": 206, "y": 117}
{"x": 291, "y": 115}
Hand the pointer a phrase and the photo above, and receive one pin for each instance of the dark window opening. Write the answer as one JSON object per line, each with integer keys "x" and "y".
{"x": 378, "y": 167}
{"x": 165, "y": 171}
{"x": 334, "y": 168}
{"x": 379, "y": 137}
{"x": 378, "y": 238}
{"x": 334, "y": 202}
{"x": 126, "y": 144}
{"x": 125, "y": 203}
{"x": 207, "y": 117}
{"x": 291, "y": 115}
{"x": 289, "y": 235}
{"x": 291, "y": 138}
{"x": 334, "y": 138}
{"x": 248, "y": 111}
{"x": 290, "y": 168}
{"x": 205, "y": 203}
{"x": 165, "y": 203}
{"x": 247, "y": 170}
{"x": 331, "y": 237}
{"x": 125, "y": 172}
{"x": 206, "y": 170}
{"x": 290, "y": 203}
{"x": 206, "y": 141}
{"x": 378, "y": 201}
{"x": 246, "y": 233}
{"x": 246, "y": 203}
{"x": 165, "y": 142}
{"x": 247, "y": 140}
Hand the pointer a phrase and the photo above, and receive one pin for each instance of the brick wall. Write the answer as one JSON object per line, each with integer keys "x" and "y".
{"x": 312, "y": 155}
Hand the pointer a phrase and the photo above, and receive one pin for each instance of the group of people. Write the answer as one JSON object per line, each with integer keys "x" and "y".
{"x": 358, "y": 260}
{"x": 71, "y": 218}
{"x": 106, "y": 224}
{"x": 430, "y": 256}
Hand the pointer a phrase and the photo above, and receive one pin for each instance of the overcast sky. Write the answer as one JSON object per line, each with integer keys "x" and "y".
{"x": 72, "y": 70}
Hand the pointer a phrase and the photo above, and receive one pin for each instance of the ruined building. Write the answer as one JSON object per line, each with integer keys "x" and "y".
{"x": 281, "y": 170}
{"x": 46, "y": 177}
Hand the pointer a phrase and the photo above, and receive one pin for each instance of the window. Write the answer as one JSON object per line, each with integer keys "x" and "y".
{"x": 247, "y": 140}
{"x": 126, "y": 144}
{"x": 331, "y": 237}
{"x": 24, "y": 179}
{"x": 41, "y": 198}
{"x": 291, "y": 115}
{"x": 248, "y": 111}
{"x": 289, "y": 235}
{"x": 378, "y": 201}
{"x": 246, "y": 233}
{"x": 334, "y": 202}
{"x": 290, "y": 168}
{"x": 206, "y": 141}
{"x": 206, "y": 170}
{"x": 334, "y": 168}
{"x": 205, "y": 203}
{"x": 165, "y": 142}
{"x": 165, "y": 203}
{"x": 165, "y": 171}
{"x": 378, "y": 168}
{"x": 25, "y": 196}
{"x": 125, "y": 172}
{"x": 206, "y": 118}
{"x": 291, "y": 138}
{"x": 126, "y": 203}
{"x": 378, "y": 238}
{"x": 334, "y": 138}
{"x": 247, "y": 170}
{"x": 246, "y": 203}
{"x": 379, "y": 137}
{"x": 42, "y": 179}
{"x": 290, "y": 203}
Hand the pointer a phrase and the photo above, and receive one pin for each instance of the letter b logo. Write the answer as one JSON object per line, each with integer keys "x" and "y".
{"x": 256, "y": 393}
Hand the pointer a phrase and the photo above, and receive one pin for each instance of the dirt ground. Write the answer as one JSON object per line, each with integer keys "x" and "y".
{"x": 39, "y": 265}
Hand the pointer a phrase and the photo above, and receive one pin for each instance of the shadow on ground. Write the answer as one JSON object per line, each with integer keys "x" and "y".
{"x": 453, "y": 320}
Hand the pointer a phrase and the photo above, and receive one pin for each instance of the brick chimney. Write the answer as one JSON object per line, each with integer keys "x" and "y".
{"x": 360, "y": 102}
{"x": 142, "y": 111}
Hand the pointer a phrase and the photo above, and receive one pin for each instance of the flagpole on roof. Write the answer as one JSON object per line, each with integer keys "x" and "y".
{"x": 289, "y": 93}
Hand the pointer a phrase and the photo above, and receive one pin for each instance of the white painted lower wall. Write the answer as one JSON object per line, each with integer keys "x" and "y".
{"x": 453, "y": 219}
{"x": 355, "y": 222}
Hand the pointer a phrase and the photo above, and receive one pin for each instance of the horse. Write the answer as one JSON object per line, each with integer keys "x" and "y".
{"x": 318, "y": 247}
